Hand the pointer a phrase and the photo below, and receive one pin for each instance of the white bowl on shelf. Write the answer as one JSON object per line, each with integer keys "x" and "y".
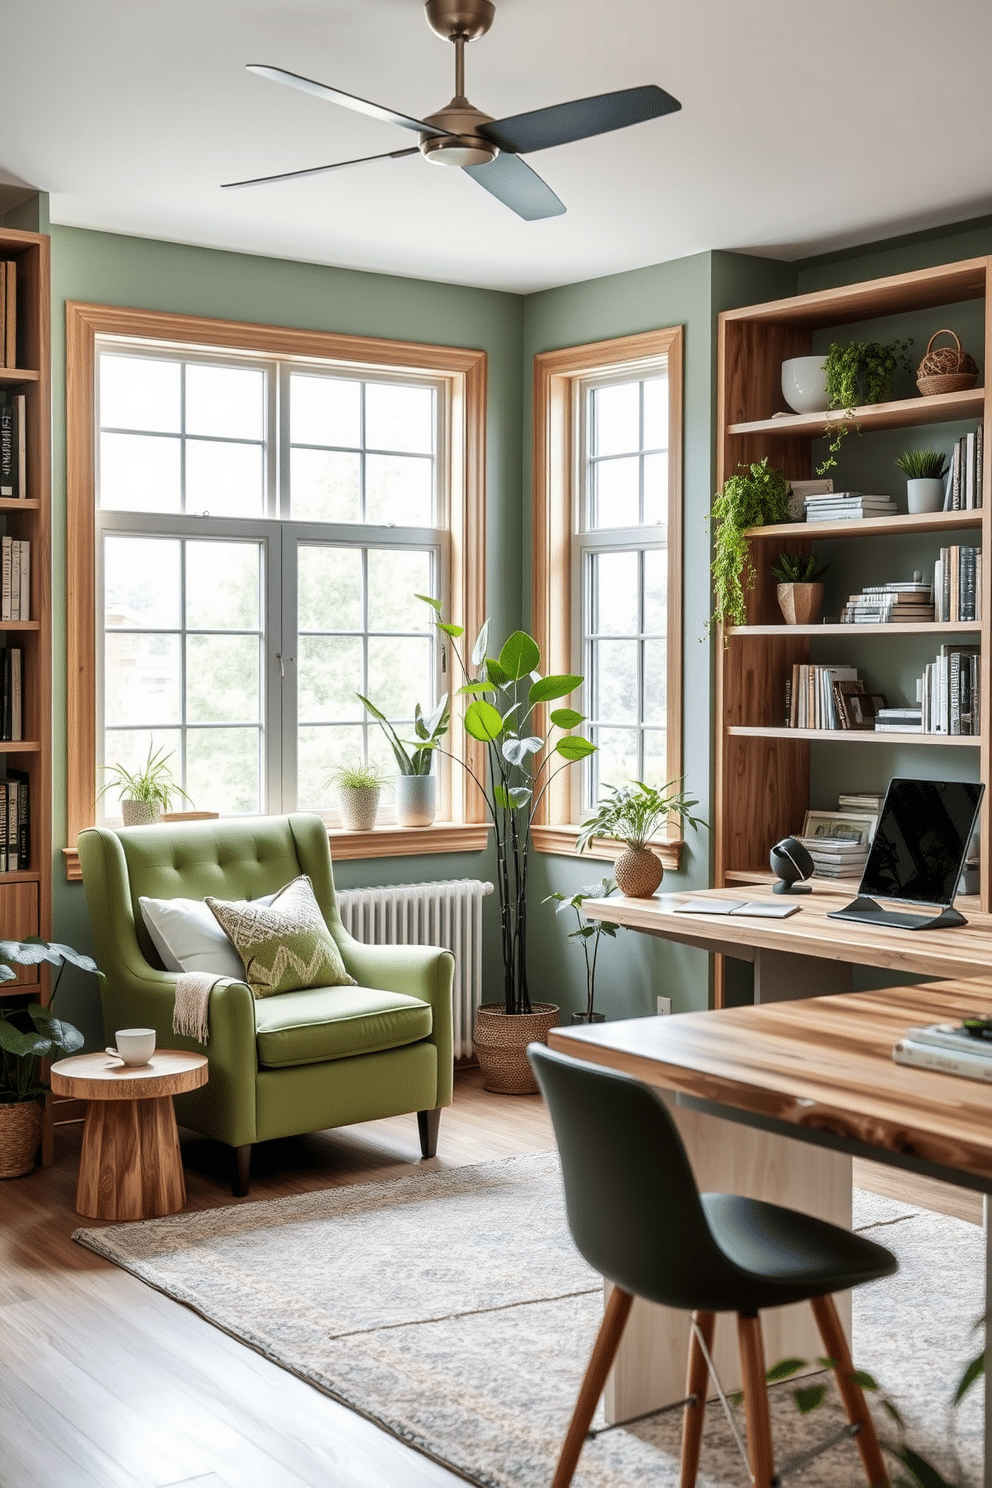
{"x": 804, "y": 384}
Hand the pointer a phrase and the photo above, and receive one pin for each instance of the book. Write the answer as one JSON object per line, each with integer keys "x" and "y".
{"x": 759, "y": 908}
{"x": 23, "y": 817}
{"x": 8, "y": 457}
{"x": 945, "y": 1061}
{"x": 10, "y": 313}
{"x": 951, "y": 1036}
{"x": 16, "y": 695}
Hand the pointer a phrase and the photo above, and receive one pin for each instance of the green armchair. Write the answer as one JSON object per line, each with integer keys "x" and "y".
{"x": 291, "y": 1063}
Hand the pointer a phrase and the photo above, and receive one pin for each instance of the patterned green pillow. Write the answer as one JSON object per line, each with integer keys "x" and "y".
{"x": 284, "y": 945}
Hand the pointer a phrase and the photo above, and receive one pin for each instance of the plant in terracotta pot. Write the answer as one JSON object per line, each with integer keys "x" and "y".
{"x": 589, "y": 936}
{"x": 416, "y": 786}
{"x": 28, "y": 1035}
{"x": 753, "y": 497}
{"x": 147, "y": 792}
{"x": 800, "y": 593}
{"x": 632, "y": 816}
{"x": 359, "y": 787}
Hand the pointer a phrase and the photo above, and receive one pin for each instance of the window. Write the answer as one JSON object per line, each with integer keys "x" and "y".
{"x": 259, "y": 509}
{"x": 607, "y": 544}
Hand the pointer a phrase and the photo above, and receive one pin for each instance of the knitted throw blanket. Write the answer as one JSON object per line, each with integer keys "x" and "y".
{"x": 189, "y": 1016}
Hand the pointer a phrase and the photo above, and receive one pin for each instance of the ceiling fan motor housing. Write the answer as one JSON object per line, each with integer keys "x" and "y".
{"x": 460, "y": 20}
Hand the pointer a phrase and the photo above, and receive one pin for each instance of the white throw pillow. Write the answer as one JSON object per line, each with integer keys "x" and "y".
{"x": 188, "y": 937}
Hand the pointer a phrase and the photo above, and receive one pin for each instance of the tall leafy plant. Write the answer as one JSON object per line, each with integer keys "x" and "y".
{"x": 28, "y": 1035}
{"x": 508, "y": 693}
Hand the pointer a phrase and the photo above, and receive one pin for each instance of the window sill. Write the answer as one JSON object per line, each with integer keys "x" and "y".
{"x": 562, "y": 840}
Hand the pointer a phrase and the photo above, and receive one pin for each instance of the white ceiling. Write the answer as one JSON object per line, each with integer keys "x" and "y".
{"x": 804, "y": 127}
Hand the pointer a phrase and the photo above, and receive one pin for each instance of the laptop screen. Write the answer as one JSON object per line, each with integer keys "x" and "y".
{"x": 921, "y": 840}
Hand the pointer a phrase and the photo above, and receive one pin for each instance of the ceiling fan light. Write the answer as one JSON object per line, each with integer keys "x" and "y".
{"x": 460, "y": 150}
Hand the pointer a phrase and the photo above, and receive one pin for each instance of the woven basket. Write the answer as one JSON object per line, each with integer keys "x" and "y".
{"x": 946, "y": 370}
{"x": 20, "y": 1133}
{"x": 501, "y": 1041}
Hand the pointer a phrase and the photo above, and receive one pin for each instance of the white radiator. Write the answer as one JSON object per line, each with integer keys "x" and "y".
{"x": 447, "y": 913}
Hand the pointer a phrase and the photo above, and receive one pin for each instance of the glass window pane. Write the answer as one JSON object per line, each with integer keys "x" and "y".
{"x": 615, "y": 681}
{"x": 615, "y": 493}
{"x": 222, "y": 769}
{"x": 141, "y": 582}
{"x": 330, "y": 678}
{"x": 655, "y": 682}
{"x": 223, "y": 585}
{"x": 226, "y": 402}
{"x": 224, "y": 480}
{"x": 143, "y": 684}
{"x": 400, "y": 676}
{"x": 139, "y": 393}
{"x": 400, "y": 490}
{"x": 131, "y": 748}
{"x": 139, "y": 472}
{"x": 222, "y": 679}
{"x": 616, "y": 419}
{"x": 325, "y": 410}
{"x": 318, "y": 752}
{"x": 616, "y": 759}
{"x": 399, "y": 418}
{"x": 615, "y": 608}
{"x": 655, "y": 488}
{"x": 396, "y": 577}
{"x": 656, "y": 591}
{"x": 325, "y": 486}
{"x": 330, "y": 588}
{"x": 656, "y": 413}
{"x": 655, "y": 757}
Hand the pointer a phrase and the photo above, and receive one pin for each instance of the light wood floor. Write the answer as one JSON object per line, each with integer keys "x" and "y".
{"x": 104, "y": 1383}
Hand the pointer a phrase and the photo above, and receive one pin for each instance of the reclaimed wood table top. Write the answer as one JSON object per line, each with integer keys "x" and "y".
{"x": 100, "y": 1076}
{"x": 822, "y": 1066}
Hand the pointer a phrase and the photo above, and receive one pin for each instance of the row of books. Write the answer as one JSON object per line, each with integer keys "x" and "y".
{"x": 15, "y": 579}
{"x": 8, "y": 312}
{"x": 957, "y": 584}
{"x": 13, "y": 445}
{"x": 819, "y": 696}
{"x": 945, "y": 1047}
{"x": 949, "y": 692}
{"x": 964, "y": 479}
{"x": 890, "y": 604}
{"x": 848, "y": 506}
{"x": 11, "y": 694}
{"x": 15, "y": 822}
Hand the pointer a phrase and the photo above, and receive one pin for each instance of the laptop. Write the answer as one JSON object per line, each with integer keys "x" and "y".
{"x": 917, "y": 855}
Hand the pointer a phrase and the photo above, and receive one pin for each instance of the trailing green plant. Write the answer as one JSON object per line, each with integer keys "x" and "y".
{"x": 520, "y": 765}
{"x": 857, "y": 375}
{"x": 928, "y": 464}
{"x": 429, "y": 731}
{"x": 362, "y": 775}
{"x": 634, "y": 813}
{"x": 588, "y": 935}
{"x": 153, "y": 784}
{"x": 798, "y": 568}
{"x": 755, "y": 496}
{"x": 30, "y": 1034}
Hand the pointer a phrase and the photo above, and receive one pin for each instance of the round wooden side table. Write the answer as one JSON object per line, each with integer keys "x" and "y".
{"x": 130, "y": 1167}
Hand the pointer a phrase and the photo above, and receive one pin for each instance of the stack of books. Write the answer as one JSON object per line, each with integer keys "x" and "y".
{"x": 848, "y": 506}
{"x": 8, "y": 312}
{"x": 899, "y": 721}
{"x": 949, "y": 691}
{"x": 15, "y": 842}
{"x": 810, "y": 701}
{"x": 837, "y": 857}
{"x": 861, "y": 803}
{"x": 957, "y": 584}
{"x": 945, "y": 1047}
{"x": 890, "y": 604}
{"x": 964, "y": 481}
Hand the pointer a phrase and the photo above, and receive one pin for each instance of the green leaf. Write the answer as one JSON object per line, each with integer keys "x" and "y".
{"x": 481, "y": 645}
{"x": 923, "y": 1471}
{"x": 566, "y": 718}
{"x": 517, "y": 750}
{"x": 892, "y": 1412}
{"x": 62, "y": 1035}
{"x": 22, "y": 1045}
{"x": 973, "y": 1372}
{"x": 520, "y": 795}
{"x": 547, "y": 688}
{"x": 809, "y": 1398}
{"x": 864, "y": 1379}
{"x": 27, "y": 952}
{"x": 452, "y": 630}
{"x": 520, "y": 656}
{"x": 501, "y": 797}
{"x": 475, "y": 689}
{"x": 435, "y": 604}
{"x": 783, "y": 1369}
{"x": 74, "y": 958}
{"x": 496, "y": 674}
{"x": 7, "y": 974}
{"x": 574, "y": 747}
{"x": 482, "y": 721}
{"x": 372, "y": 708}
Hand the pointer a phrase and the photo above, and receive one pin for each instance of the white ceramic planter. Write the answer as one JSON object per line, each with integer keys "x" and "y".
{"x": 358, "y": 807}
{"x": 139, "y": 813}
{"x": 416, "y": 800}
{"x": 804, "y": 384}
{"x": 925, "y": 495}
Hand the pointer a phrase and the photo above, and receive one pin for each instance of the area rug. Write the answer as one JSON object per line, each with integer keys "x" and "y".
{"x": 451, "y": 1308}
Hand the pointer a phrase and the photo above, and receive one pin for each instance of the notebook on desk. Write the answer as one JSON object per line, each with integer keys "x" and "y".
{"x": 760, "y": 908}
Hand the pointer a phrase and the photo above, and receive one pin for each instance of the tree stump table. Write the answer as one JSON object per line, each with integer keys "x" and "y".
{"x": 130, "y": 1167}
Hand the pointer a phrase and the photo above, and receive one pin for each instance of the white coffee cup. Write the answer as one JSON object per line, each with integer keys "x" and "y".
{"x": 134, "y": 1045}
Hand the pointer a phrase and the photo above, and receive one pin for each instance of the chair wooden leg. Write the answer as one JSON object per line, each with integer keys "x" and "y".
{"x": 759, "y": 1430}
{"x": 428, "y": 1124}
{"x": 240, "y": 1170}
{"x": 835, "y": 1344}
{"x": 604, "y": 1351}
{"x": 697, "y": 1382}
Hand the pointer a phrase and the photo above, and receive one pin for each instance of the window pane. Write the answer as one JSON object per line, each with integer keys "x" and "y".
{"x": 616, "y": 761}
{"x": 400, "y": 676}
{"x": 224, "y": 480}
{"x": 141, "y": 582}
{"x": 139, "y": 472}
{"x": 222, "y": 769}
{"x": 139, "y": 393}
{"x": 325, "y": 410}
{"x": 325, "y": 486}
{"x": 330, "y": 588}
{"x": 656, "y": 413}
{"x": 615, "y": 680}
{"x": 655, "y": 488}
{"x": 615, "y": 494}
{"x": 131, "y": 748}
{"x": 655, "y": 757}
{"x": 319, "y": 751}
{"x": 395, "y": 580}
{"x": 330, "y": 678}
{"x": 223, "y": 585}
{"x": 399, "y": 489}
{"x": 226, "y": 402}
{"x": 143, "y": 684}
{"x": 399, "y": 418}
{"x": 656, "y": 591}
{"x": 223, "y": 677}
{"x": 616, "y": 419}
{"x": 655, "y": 682}
{"x": 614, "y": 594}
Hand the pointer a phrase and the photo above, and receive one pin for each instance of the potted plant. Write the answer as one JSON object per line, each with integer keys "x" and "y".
{"x": 632, "y": 815}
{"x": 588, "y": 937}
{"x": 146, "y": 793}
{"x": 359, "y": 787}
{"x": 925, "y": 472}
{"x": 416, "y": 786}
{"x": 800, "y": 593}
{"x": 858, "y": 374}
{"x": 753, "y": 497}
{"x": 28, "y": 1035}
{"x": 506, "y": 691}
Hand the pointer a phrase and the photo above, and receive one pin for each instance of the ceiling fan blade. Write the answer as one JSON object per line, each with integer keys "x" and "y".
{"x": 346, "y": 100}
{"x": 318, "y": 170}
{"x": 580, "y": 119}
{"x": 512, "y": 182}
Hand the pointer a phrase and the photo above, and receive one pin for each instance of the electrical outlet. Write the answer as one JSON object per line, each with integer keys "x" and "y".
{"x": 664, "y": 1006}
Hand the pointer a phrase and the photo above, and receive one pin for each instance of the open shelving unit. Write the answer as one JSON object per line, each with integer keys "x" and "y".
{"x": 763, "y": 770}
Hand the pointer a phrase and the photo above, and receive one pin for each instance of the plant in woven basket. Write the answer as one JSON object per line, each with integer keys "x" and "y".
{"x": 928, "y": 464}
{"x": 754, "y": 497}
{"x": 633, "y": 815}
{"x": 858, "y": 374}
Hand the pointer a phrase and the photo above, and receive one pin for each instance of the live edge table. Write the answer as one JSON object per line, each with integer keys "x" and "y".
{"x": 130, "y": 1167}
{"x": 819, "y": 1072}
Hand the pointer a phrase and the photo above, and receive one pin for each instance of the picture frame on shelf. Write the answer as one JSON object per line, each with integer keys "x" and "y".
{"x": 856, "y": 704}
{"x": 850, "y": 828}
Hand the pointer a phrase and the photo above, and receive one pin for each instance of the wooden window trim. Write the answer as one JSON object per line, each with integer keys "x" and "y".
{"x": 466, "y": 373}
{"x": 555, "y": 375}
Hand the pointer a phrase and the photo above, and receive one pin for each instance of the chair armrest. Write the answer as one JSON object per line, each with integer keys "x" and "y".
{"x": 427, "y": 972}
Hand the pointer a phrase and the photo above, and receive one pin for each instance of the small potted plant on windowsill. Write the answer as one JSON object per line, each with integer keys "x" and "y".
{"x": 359, "y": 787}
{"x": 416, "y": 785}
{"x": 632, "y": 816}
{"x": 147, "y": 792}
{"x": 799, "y": 591}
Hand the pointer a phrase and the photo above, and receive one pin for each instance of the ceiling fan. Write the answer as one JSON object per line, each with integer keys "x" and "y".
{"x": 487, "y": 149}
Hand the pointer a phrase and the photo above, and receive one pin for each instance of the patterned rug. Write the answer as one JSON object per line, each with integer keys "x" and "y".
{"x": 452, "y": 1309}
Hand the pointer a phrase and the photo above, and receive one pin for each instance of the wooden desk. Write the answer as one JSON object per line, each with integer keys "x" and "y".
{"x": 820, "y": 1072}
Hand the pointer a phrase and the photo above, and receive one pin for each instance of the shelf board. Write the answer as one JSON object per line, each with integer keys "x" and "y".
{"x": 917, "y": 627}
{"x": 20, "y": 624}
{"x": 939, "y": 408}
{"x": 871, "y": 526}
{"x": 847, "y": 736}
{"x": 19, "y": 503}
{"x": 10, "y": 376}
{"x": 19, "y": 746}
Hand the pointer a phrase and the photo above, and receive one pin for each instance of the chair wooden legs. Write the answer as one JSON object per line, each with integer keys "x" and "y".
{"x": 428, "y": 1125}
{"x": 604, "y": 1351}
{"x": 835, "y": 1343}
{"x": 697, "y": 1383}
{"x": 759, "y": 1430}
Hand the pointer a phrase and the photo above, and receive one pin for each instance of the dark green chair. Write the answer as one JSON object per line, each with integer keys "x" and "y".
{"x": 637, "y": 1217}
